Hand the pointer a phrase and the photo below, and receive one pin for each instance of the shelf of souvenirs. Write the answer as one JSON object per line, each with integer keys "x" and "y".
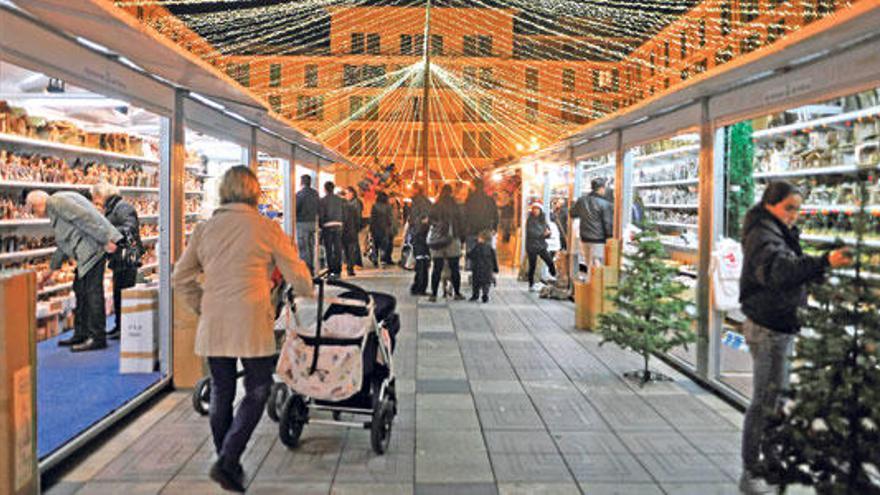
{"x": 672, "y": 206}
{"x": 44, "y": 222}
{"x": 666, "y": 183}
{"x": 64, "y": 186}
{"x": 811, "y": 171}
{"x": 41, "y": 247}
{"x": 678, "y": 245}
{"x": 831, "y": 239}
{"x": 677, "y": 225}
{"x": 70, "y": 148}
{"x": 69, "y": 285}
{"x": 681, "y": 150}
{"x": 840, "y": 208}
{"x": 781, "y": 131}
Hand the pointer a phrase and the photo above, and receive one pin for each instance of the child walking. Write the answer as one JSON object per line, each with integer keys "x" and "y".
{"x": 483, "y": 265}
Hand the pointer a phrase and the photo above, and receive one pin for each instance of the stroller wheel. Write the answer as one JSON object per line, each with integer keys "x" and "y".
{"x": 380, "y": 431}
{"x": 201, "y": 396}
{"x": 277, "y": 397}
{"x": 294, "y": 416}
{"x": 337, "y": 415}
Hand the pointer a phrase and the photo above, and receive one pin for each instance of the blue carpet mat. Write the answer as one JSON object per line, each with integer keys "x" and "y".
{"x": 76, "y": 390}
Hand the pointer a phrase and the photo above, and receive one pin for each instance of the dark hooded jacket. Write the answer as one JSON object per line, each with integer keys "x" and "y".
{"x": 775, "y": 272}
{"x": 597, "y": 218}
{"x": 536, "y": 230}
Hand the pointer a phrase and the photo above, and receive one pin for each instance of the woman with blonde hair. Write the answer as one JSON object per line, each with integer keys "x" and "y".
{"x": 236, "y": 251}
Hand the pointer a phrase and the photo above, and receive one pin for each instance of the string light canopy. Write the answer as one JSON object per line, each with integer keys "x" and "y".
{"x": 476, "y": 83}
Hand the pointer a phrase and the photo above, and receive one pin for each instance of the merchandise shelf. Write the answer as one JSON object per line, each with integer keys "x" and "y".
{"x": 25, "y": 222}
{"x": 69, "y": 285}
{"x": 874, "y": 243}
{"x": 671, "y": 207}
{"x": 30, "y": 253}
{"x": 150, "y": 240}
{"x": 82, "y": 150}
{"x": 689, "y": 273}
{"x": 599, "y": 167}
{"x": 806, "y": 172}
{"x": 666, "y": 153}
{"x": 676, "y": 224}
{"x": 17, "y": 184}
{"x": 841, "y": 208}
{"x": 679, "y": 247}
{"x": 834, "y": 119}
{"x": 194, "y": 192}
{"x": 664, "y": 183}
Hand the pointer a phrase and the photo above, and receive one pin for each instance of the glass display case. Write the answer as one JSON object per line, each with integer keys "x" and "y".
{"x": 665, "y": 175}
{"x": 818, "y": 147}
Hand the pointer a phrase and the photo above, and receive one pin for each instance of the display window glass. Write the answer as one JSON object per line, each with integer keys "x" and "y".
{"x": 207, "y": 158}
{"x": 818, "y": 147}
{"x": 270, "y": 172}
{"x": 597, "y": 167}
{"x": 665, "y": 176}
{"x": 504, "y": 187}
{"x": 65, "y": 140}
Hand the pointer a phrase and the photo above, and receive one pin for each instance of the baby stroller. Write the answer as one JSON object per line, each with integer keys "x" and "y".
{"x": 342, "y": 364}
{"x": 201, "y": 395}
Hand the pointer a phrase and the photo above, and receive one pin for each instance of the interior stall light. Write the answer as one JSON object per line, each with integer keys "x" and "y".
{"x": 519, "y": 147}
{"x": 65, "y": 100}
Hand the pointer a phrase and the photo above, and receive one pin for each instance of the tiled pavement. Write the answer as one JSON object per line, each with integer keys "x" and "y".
{"x": 504, "y": 397}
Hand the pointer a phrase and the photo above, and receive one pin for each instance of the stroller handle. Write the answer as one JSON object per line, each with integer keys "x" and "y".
{"x": 321, "y": 279}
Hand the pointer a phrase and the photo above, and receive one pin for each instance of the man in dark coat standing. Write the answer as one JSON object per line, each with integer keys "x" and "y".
{"x": 418, "y": 223}
{"x": 480, "y": 213}
{"x": 306, "y": 218}
{"x": 596, "y": 216}
{"x": 330, "y": 214}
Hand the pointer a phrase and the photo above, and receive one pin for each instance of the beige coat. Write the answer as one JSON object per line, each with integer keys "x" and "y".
{"x": 237, "y": 250}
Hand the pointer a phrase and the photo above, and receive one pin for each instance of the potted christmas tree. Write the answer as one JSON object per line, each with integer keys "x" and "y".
{"x": 650, "y": 314}
{"x": 827, "y": 434}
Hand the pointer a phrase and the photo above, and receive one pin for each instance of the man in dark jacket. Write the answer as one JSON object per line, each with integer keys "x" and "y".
{"x": 419, "y": 225}
{"x": 351, "y": 225}
{"x": 596, "y": 216}
{"x": 421, "y": 206}
{"x": 306, "y": 216}
{"x": 85, "y": 236}
{"x": 330, "y": 214}
{"x": 537, "y": 232}
{"x": 772, "y": 288}
{"x": 124, "y": 217}
{"x": 480, "y": 213}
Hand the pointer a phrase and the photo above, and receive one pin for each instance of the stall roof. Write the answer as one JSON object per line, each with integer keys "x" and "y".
{"x": 100, "y": 22}
{"x": 814, "y": 41}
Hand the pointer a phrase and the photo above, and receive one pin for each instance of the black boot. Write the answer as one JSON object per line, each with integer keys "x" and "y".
{"x": 228, "y": 479}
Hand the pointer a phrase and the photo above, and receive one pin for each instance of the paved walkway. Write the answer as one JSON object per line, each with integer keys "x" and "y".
{"x": 504, "y": 397}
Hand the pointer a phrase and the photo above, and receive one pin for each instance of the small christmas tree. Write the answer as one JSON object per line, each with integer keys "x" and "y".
{"x": 650, "y": 313}
{"x": 827, "y": 434}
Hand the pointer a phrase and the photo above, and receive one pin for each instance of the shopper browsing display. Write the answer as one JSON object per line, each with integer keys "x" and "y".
{"x": 537, "y": 233}
{"x": 330, "y": 213}
{"x": 236, "y": 251}
{"x": 306, "y": 221}
{"x": 83, "y": 235}
{"x": 596, "y": 216}
{"x": 125, "y": 261}
{"x": 772, "y": 288}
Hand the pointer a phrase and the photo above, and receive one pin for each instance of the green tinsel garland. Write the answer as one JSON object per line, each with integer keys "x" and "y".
{"x": 740, "y": 184}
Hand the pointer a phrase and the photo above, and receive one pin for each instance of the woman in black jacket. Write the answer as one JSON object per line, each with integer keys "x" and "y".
{"x": 446, "y": 224}
{"x": 351, "y": 225}
{"x": 537, "y": 232}
{"x": 772, "y": 288}
{"x": 124, "y": 217}
{"x": 380, "y": 227}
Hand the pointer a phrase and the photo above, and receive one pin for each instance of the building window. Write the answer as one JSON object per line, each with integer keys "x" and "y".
{"x": 750, "y": 43}
{"x": 415, "y": 106}
{"x": 309, "y": 107}
{"x": 470, "y": 46}
{"x": 702, "y": 31}
{"x": 568, "y": 79}
{"x": 487, "y": 78}
{"x": 725, "y": 18}
{"x": 371, "y": 143}
{"x": 469, "y": 74}
{"x": 748, "y": 10}
{"x": 437, "y": 44}
{"x": 355, "y": 144}
{"x": 685, "y": 74}
{"x": 358, "y": 103}
{"x": 532, "y": 111}
{"x": 275, "y": 75}
{"x": 486, "y": 109}
{"x": 374, "y": 44}
{"x": 275, "y": 103}
{"x": 357, "y": 43}
{"x": 827, "y": 7}
{"x": 477, "y": 45}
{"x": 240, "y": 72}
{"x": 469, "y": 143}
{"x": 775, "y": 31}
{"x": 469, "y": 110}
{"x": 700, "y": 67}
{"x": 485, "y": 45}
{"x": 140, "y": 13}
{"x": 419, "y": 44}
{"x": 653, "y": 64}
{"x": 666, "y": 53}
{"x": 605, "y": 81}
{"x": 684, "y": 47}
{"x": 406, "y": 44}
{"x": 311, "y": 78}
{"x": 723, "y": 56}
{"x": 571, "y": 111}
{"x": 350, "y": 75}
{"x": 532, "y": 79}
{"x": 485, "y": 144}
{"x": 373, "y": 75}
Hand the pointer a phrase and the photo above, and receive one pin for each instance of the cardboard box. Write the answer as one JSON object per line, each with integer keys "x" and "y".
{"x": 18, "y": 425}
{"x": 138, "y": 347}
{"x": 188, "y": 367}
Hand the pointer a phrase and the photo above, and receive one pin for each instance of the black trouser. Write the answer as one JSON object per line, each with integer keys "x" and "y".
{"x": 420, "y": 282}
{"x": 90, "y": 320}
{"x": 533, "y": 258}
{"x": 122, "y": 279}
{"x": 484, "y": 288}
{"x": 383, "y": 244}
{"x": 352, "y": 250}
{"x": 332, "y": 237}
{"x": 231, "y": 434}
{"x": 454, "y": 274}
